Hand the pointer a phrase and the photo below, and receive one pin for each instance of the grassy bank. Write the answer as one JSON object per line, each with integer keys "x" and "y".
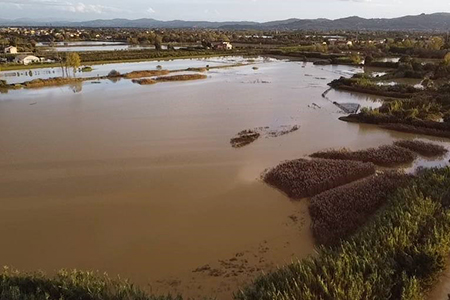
{"x": 397, "y": 255}
{"x": 70, "y": 285}
{"x": 364, "y": 85}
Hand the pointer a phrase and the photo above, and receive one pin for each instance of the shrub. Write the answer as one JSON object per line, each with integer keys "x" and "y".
{"x": 338, "y": 213}
{"x": 114, "y": 73}
{"x": 386, "y": 156}
{"x": 306, "y": 178}
{"x": 422, "y": 148}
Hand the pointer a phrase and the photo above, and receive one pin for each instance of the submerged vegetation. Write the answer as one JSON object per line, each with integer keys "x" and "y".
{"x": 338, "y": 213}
{"x": 397, "y": 255}
{"x": 387, "y": 156}
{"x": 244, "y": 138}
{"x": 306, "y": 178}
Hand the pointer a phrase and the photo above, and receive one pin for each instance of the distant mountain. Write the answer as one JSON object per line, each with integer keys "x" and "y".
{"x": 423, "y": 22}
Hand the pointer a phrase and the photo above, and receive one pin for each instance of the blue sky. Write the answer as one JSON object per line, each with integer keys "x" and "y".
{"x": 214, "y": 10}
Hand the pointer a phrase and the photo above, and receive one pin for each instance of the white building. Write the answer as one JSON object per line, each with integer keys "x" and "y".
{"x": 224, "y": 46}
{"x": 26, "y": 59}
{"x": 10, "y": 50}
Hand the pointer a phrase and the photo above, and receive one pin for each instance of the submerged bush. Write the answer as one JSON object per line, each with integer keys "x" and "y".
{"x": 397, "y": 255}
{"x": 386, "y": 156}
{"x": 339, "y": 212}
{"x": 306, "y": 178}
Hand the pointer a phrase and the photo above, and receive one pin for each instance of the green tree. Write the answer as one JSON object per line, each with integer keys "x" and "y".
{"x": 447, "y": 59}
{"x": 436, "y": 43}
{"x": 73, "y": 61}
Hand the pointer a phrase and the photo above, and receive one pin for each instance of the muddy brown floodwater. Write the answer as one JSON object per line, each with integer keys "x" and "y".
{"x": 141, "y": 181}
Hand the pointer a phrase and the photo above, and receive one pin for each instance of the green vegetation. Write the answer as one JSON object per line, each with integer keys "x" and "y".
{"x": 397, "y": 255}
{"x": 365, "y": 85}
{"x": 72, "y": 61}
{"x": 87, "y": 69}
{"x": 70, "y": 285}
{"x": 340, "y": 212}
{"x": 386, "y": 156}
{"x": 303, "y": 178}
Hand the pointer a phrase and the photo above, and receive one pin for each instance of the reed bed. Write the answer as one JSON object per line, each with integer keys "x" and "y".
{"x": 146, "y": 73}
{"x": 338, "y": 213}
{"x": 397, "y": 255}
{"x": 386, "y": 156}
{"x": 423, "y": 148}
{"x": 303, "y": 178}
{"x": 144, "y": 81}
{"x": 185, "y": 77}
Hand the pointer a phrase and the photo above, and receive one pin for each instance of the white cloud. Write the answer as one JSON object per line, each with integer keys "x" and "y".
{"x": 151, "y": 10}
{"x": 76, "y": 7}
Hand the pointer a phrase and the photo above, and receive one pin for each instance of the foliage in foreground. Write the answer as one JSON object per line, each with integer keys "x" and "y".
{"x": 70, "y": 285}
{"x": 398, "y": 255}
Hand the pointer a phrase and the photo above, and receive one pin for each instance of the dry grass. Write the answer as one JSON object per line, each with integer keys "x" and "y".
{"x": 244, "y": 138}
{"x": 306, "y": 178}
{"x": 386, "y": 156}
{"x": 146, "y": 73}
{"x": 181, "y": 77}
{"x": 423, "y": 148}
{"x": 37, "y": 83}
{"x": 338, "y": 213}
{"x": 197, "y": 69}
{"x": 145, "y": 81}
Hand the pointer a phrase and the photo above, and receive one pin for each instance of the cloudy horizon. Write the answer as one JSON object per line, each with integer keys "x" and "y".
{"x": 214, "y": 10}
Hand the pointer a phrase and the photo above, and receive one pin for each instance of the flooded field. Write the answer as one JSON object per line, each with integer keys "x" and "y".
{"x": 103, "y": 70}
{"x": 142, "y": 181}
{"x": 86, "y": 46}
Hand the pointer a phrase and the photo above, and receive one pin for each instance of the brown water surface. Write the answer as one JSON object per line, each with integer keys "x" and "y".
{"x": 142, "y": 181}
